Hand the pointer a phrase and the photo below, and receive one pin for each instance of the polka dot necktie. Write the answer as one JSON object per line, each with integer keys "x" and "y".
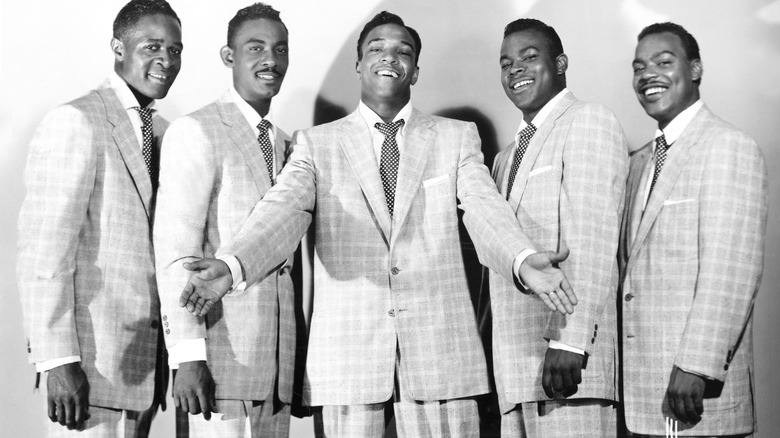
{"x": 266, "y": 147}
{"x": 388, "y": 161}
{"x": 150, "y": 155}
{"x": 660, "y": 156}
{"x": 522, "y": 144}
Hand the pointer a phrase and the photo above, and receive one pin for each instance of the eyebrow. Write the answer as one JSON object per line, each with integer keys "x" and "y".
{"x": 523, "y": 50}
{"x": 656, "y": 55}
{"x": 257, "y": 40}
{"x": 404, "y": 42}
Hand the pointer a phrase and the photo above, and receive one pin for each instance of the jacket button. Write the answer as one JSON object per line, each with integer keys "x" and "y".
{"x": 726, "y": 367}
{"x": 155, "y": 324}
{"x": 395, "y": 271}
{"x": 629, "y": 297}
{"x": 167, "y": 332}
{"x": 165, "y": 317}
{"x": 391, "y": 312}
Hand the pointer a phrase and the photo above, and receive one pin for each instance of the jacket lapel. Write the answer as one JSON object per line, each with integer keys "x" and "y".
{"x": 127, "y": 143}
{"x": 243, "y": 138}
{"x": 357, "y": 147}
{"x": 411, "y": 167}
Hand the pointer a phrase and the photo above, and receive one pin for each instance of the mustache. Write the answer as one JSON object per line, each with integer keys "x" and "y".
{"x": 272, "y": 69}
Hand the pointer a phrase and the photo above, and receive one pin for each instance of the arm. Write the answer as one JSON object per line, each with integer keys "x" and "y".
{"x": 60, "y": 177}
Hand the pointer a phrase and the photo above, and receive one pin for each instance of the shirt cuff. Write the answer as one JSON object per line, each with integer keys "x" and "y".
{"x": 519, "y": 261}
{"x": 239, "y": 285}
{"x": 555, "y": 345}
{"x": 54, "y": 363}
{"x": 189, "y": 350}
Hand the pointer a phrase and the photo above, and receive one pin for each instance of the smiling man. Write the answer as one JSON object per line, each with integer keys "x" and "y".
{"x": 691, "y": 253}
{"x": 564, "y": 178}
{"x": 86, "y": 264}
{"x": 392, "y": 318}
{"x": 216, "y": 164}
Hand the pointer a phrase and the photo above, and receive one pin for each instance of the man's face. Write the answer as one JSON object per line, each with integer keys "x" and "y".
{"x": 149, "y": 56}
{"x": 663, "y": 77}
{"x": 259, "y": 59}
{"x": 529, "y": 74}
{"x": 388, "y": 68}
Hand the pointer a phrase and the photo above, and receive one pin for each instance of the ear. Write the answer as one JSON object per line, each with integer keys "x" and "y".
{"x": 561, "y": 64}
{"x": 118, "y": 48}
{"x": 357, "y": 68}
{"x": 226, "y": 53}
{"x": 697, "y": 69}
{"x": 415, "y": 74}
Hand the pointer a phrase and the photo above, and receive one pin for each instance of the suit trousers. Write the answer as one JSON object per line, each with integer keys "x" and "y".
{"x": 561, "y": 418}
{"x": 243, "y": 419}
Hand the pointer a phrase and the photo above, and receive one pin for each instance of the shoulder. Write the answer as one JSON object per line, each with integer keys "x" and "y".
{"x": 719, "y": 137}
{"x": 592, "y": 113}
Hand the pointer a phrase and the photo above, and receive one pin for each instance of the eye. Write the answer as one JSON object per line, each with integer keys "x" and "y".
{"x": 505, "y": 65}
{"x": 153, "y": 47}
{"x": 282, "y": 50}
{"x": 529, "y": 57}
{"x": 404, "y": 53}
{"x": 638, "y": 68}
{"x": 175, "y": 51}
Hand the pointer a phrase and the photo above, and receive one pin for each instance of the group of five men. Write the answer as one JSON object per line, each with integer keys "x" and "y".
{"x": 660, "y": 252}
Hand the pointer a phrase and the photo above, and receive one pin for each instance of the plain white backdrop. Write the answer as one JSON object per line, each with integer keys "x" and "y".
{"x": 52, "y": 52}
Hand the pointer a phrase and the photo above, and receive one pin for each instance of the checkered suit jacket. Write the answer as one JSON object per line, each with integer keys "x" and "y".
{"x": 212, "y": 175}
{"x": 85, "y": 263}
{"x": 385, "y": 285}
{"x": 568, "y": 193}
{"x": 690, "y": 269}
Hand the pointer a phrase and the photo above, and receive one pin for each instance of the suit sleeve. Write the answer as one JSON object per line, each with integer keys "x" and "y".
{"x": 489, "y": 220}
{"x": 60, "y": 178}
{"x": 595, "y": 168}
{"x": 279, "y": 220}
{"x": 187, "y": 177}
{"x": 732, "y": 225}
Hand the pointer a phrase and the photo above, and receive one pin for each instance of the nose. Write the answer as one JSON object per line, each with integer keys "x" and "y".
{"x": 270, "y": 59}
{"x": 165, "y": 59}
{"x": 389, "y": 57}
{"x": 517, "y": 67}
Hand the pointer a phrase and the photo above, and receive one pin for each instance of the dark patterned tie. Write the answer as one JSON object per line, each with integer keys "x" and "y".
{"x": 266, "y": 147}
{"x": 149, "y": 153}
{"x": 388, "y": 162}
{"x": 522, "y": 144}
{"x": 660, "y": 156}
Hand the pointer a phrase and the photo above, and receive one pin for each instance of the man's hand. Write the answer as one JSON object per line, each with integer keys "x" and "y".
{"x": 193, "y": 389}
{"x": 541, "y": 275}
{"x": 562, "y": 372}
{"x": 685, "y": 394}
{"x": 208, "y": 284}
{"x": 68, "y": 398}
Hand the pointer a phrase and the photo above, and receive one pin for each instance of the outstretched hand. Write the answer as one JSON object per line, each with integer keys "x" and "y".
{"x": 210, "y": 281}
{"x": 541, "y": 274}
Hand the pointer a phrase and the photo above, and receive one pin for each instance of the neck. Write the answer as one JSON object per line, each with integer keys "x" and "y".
{"x": 261, "y": 106}
{"x": 143, "y": 101}
{"x": 386, "y": 109}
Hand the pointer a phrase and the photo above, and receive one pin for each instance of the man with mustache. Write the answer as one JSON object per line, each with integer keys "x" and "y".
{"x": 564, "y": 178}
{"x": 216, "y": 164}
{"x": 691, "y": 254}
{"x": 86, "y": 263}
{"x": 392, "y": 318}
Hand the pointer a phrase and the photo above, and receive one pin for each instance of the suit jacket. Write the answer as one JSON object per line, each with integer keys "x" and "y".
{"x": 690, "y": 269}
{"x": 213, "y": 174}
{"x": 86, "y": 263}
{"x": 386, "y": 287}
{"x": 568, "y": 194}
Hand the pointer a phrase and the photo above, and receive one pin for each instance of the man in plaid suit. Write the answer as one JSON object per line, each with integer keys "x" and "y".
{"x": 564, "y": 178}
{"x": 392, "y": 316}
{"x": 216, "y": 164}
{"x": 691, "y": 253}
{"x": 86, "y": 264}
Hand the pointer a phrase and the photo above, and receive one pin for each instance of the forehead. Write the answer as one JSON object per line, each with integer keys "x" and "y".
{"x": 657, "y": 43}
{"x": 261, "y": 29}
{"x": 157, "y": 26}
{"x": 524, "y": 39}
{"x": 389, "y": 32}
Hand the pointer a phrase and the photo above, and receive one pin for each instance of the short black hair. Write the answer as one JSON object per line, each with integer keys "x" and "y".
{"x": 547, "y": 32}
{"x": 134, "y": 10}
{"x": 688, "y": 41}
{"x": 383, "y": 18}
{"x": 253, "y": 12}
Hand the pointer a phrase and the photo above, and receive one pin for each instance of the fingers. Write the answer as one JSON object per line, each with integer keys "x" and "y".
{"x": 547, "y": 382}
{"x": 197, "y": 265}
{"x": 52, "y": 409}
{"x": 202, "y": 307}
{"x": 566, "y": 288}
{"x": 690, "y": 411}
{"x": 81, "y": 412}
{"x": 561, "y": 302}
{"x": 185, "y": 299}
{"x": 557, "y": 257}
{"x": 205, "y": 405}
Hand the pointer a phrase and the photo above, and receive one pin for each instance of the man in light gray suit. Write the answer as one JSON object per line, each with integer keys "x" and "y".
{"x": 392, "y": 316}
{"x": 216, "y": 164}
{"x": 691, "y": 254}
{"x": 86, "y": 263}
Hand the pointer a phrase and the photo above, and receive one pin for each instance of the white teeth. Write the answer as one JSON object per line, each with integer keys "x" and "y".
{"x": 160, "y": 77}
{"x": 521, "y": 84}
{"x": 266, "y": 77}
{"x": 654, "y": 90}
{"x": 389, "y": 73}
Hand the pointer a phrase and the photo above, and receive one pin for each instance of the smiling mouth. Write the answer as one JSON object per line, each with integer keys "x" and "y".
{"x": 158, "y": 76}
{"x": 388, "y": 73}
{"x": 653, "y": 91}
{"x": 522, "y": 83}
{"x": 266, "y": 76}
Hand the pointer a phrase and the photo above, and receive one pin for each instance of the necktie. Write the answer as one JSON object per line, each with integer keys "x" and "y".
{"x": 150, "y": 155}
{"x": 660, "y": 157}
{"x": 522, "y": 144}
{"x": 265, "y": 146}
{"x": 388, "y": 161}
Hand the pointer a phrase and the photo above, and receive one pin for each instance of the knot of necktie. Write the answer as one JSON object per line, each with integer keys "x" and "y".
{"x": 264, "y": 125}
{"x": 389, "y": 129}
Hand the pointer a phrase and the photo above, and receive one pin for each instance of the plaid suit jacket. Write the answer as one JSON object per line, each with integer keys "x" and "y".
{"x": 568, "y": 193}
{"x": 386, "y": 287}
{"x": 85, "y": 263}
{"x": 212, "y": 175}
{"x": 690, "y": 269}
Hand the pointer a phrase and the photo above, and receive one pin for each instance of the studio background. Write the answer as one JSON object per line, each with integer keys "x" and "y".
{"x": 52, "y": 52}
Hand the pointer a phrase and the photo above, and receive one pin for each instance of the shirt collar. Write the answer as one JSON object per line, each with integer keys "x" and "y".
{"x": 122, "y": 90}
{"x": 541, "y": 116}
{"x": 676, "y": 127}
{"x": 249, "y": 113}
{"x": 371, "y": 118}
